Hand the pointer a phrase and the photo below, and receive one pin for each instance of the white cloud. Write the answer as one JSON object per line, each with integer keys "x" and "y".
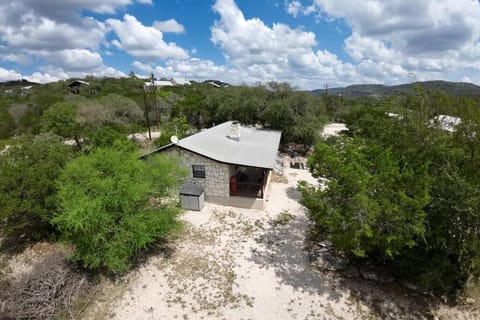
{"x": 19, "y": 58}
{"x": 295, "y": 8}
{"x": 45, "y": 34}
{"x": 388, "y": 42}
{"x": 51, "y": 74}
{"x": 274, "y": 53}
{"x": 391, "y": 40}
{"x": 361, "y": 48}
{"x": 59, "y": 10}
{"x": 170, "y": 25}
{"x": 7, "y": 75}
{"x": 191, "y": 69}
{"x": 234, "y": 34}
{"x": 143, "y": 41}
{"x": 40, "y": 77}
{"x": 421, "y": 28}
{"x": 74, "y": 59}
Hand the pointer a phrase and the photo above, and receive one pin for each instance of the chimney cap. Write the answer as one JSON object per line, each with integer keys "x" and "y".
{"x": 235, "y": 130}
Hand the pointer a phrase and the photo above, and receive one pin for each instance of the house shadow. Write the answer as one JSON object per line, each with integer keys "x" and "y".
{"x": 282, "y": 248}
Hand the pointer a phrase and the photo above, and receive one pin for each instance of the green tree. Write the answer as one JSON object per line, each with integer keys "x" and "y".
{"x": 7, "y": 125}
{"x": 120, "y": 110}
{"x": 109, "y": 208}
{"x": 109, "y": 136}
{"x": 29, "y": 167}
{"x": 372, "y": 204}
{"x": 177, "y": 126}
{"x": 61, "y": 119}
{"x": 449, "y": 253}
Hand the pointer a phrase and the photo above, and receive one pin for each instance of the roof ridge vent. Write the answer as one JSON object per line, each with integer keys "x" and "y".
{"x": 235, "y": 131}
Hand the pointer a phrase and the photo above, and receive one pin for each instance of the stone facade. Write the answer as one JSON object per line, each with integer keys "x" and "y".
{"x": 217, "y": 174}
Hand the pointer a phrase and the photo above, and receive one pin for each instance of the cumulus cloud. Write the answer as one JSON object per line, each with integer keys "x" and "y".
{"x": 409, "y": 25}
{"x": 388, "y": 42}
{"x": 7, "y": 75}
{"x": 143, "y": 41}
{"x": 295, "y": 8}
{"x": 391, "y": 40}
{"x": 170, "y": 25}
{"x": 274, "y": 53}
{"x": 19, "y": 58}
{"x": 51, "y": 32}
{"x": 50, "y": 74}
{"x": 65, "y": 11}
{"x": 57, "y": 35}
{"x": 192, "y": 69}
{"x": 246, "y": 42}
{"x": 47, "y": 34}
{"x": 74, "y": 59}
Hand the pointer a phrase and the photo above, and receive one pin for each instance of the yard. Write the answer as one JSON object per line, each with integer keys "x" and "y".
{"x": 234, "y": 263}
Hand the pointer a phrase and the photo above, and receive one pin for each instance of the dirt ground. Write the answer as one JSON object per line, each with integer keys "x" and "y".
{"x": 232, "y": 263}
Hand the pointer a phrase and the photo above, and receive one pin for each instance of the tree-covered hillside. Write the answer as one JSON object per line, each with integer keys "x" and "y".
{"x": 379, "y": 91}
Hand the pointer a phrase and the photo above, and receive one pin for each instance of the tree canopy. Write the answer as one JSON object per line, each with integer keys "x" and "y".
{"x": 403, "y": 190}
{"x": 29, "y": 167}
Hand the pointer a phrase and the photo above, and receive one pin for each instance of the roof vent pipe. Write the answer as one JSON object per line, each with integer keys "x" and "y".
{"x": 235, "y": 130}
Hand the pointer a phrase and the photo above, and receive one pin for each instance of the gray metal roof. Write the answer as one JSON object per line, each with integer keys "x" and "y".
{"x": 254, "y": 148}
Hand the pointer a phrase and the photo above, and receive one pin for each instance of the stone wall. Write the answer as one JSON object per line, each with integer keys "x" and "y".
{"x": 216, "y": 181}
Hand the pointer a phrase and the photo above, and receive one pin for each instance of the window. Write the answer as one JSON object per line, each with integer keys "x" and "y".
{"x": 198, "y": 171}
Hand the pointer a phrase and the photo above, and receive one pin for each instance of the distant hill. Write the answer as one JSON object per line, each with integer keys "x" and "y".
{"x": 378, "y": 90}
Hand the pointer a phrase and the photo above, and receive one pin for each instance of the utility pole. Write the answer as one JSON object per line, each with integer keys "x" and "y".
{"x": 146, "y": 113}
{"x": 326, "y": 98}
{"x": 154, "y": 91}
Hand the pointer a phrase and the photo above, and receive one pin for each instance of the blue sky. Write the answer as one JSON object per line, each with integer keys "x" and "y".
{"x": 308, "y": 43}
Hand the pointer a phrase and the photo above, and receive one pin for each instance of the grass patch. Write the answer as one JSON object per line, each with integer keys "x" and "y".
{"x": 283, "y": 218}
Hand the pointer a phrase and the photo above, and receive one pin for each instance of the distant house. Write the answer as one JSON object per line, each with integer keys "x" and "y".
{"x": 445, "y": 122}
{"x": 441, "y": 121}
{"x": 230, "y": 162}
{"x": 159, "y": 83}
{"x": 166, "y": 83}
{"x": 217, "y": 83}
{"x": 182, "y": 82}
{"x": 75, "y": 85}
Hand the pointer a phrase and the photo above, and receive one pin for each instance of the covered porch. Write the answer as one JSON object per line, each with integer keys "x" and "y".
{"x": 248, "y": 181}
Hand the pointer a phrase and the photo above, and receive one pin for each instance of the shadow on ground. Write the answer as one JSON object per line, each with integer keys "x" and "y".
{"x": 293, "y": 193}
{"x": 282, "y": 248}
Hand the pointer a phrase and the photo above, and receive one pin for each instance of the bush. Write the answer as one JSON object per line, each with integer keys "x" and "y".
{"x": 29, "y": 167}
{"x": 107, "y": 208}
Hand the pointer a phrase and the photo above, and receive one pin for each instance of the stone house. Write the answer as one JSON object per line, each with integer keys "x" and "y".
{"x": 231, "y": 162}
